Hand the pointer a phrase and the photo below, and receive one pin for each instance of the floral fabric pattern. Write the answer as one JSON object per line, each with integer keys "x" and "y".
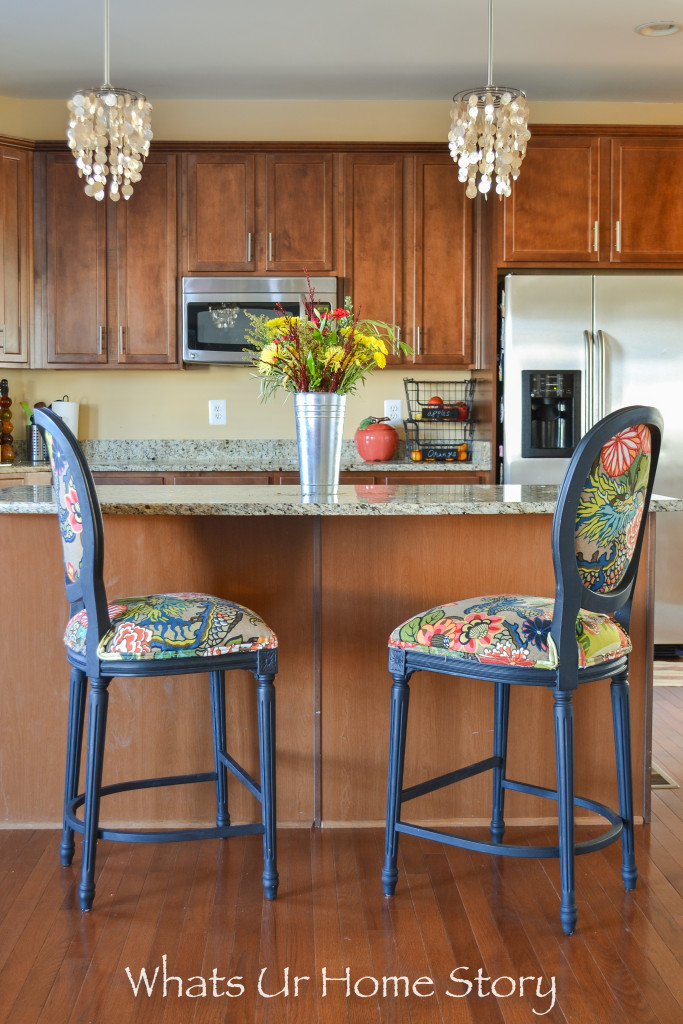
{"x": 68, "y": 510}
{"x": 508, "y": 629}
{"x": 611, "y": 508}
{"x": 186, "y": 625}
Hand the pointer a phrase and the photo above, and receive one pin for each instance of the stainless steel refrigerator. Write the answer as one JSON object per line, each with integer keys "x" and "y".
{"x": 575, "y": 347}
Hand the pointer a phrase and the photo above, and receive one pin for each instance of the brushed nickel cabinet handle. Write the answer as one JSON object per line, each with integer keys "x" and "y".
{"x": 595, "y": 236}
{"x": 270, "y": 246}
{"x": 2, "y": 342}
{"x": 249, "y": 247}
{"x": 121, "y": 349}
{"x": 617, "y": 236}
{"x": 100, "y": 334}
{"x": 418, "y": 340}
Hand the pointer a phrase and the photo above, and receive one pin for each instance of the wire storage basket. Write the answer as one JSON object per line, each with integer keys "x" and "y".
{"x": 440, "y": 426}
{"x": 439, "y": 400}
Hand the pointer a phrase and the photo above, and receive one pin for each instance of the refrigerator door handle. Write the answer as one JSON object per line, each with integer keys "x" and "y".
{"x": 588, "y": 413}
{"x": 600, "y": 373}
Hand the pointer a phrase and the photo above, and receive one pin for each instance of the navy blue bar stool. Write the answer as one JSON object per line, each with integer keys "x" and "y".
{"x": 151, "y": 635}
{"x": 578, "y": 637}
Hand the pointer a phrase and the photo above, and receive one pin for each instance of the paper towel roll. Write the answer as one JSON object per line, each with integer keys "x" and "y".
{"x": 69, "y": 413}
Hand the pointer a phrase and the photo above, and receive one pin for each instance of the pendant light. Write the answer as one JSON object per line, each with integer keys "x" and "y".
{"x": 109, "y": 134}
{"x": 489, "y": 133}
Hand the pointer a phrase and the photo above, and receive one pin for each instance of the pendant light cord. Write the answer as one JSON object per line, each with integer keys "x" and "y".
{"x": 107, "y": 83}
{"x": 491, "y": 43}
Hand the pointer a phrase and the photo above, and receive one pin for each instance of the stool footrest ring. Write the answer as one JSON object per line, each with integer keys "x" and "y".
{"x": 162, "y": 835}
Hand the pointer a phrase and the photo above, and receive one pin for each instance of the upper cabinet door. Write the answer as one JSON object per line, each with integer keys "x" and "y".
{"x": 553, "y": 213}
{"x": 142, "y": 313}
{"x": 442, "y": 331}
{"x": 647, "y": 201}
{"x": 219, "y": 209}
{"x": 299, "y": 228}
{"x": 15, "y": 276}
{"x": 76, "y": 267}
{"x": 373, "y": 199}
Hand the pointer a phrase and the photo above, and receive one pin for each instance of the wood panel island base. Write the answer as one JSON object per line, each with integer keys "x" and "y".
{"x": 333, "y": 580}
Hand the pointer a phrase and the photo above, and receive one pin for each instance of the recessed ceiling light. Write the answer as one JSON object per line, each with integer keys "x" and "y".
{"x": 658, "y": 28}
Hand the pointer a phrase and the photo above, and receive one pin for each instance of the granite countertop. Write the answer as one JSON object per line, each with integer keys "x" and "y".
{"x": 265, "y": 456}
{"x": 350, "y": 499}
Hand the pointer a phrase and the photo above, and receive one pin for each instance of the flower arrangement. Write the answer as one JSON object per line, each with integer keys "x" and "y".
{"x": 326, "y": 350}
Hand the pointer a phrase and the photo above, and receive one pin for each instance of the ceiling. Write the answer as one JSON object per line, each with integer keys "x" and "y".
{"x": 556, "y": 50}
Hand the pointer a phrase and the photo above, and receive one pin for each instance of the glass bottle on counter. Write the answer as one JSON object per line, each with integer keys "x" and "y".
{"x": 6, "y": 439}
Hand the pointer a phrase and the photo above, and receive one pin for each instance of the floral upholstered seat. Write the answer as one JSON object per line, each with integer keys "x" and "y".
{"x": 173, "y": 626}
{"x": 508, "y": 630}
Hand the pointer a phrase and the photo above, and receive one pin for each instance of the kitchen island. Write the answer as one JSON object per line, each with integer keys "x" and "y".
{"x": 332, "y": 579}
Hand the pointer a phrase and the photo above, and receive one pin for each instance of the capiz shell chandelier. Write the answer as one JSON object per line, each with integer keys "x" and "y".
{"x": 109, "y": 134}
{"x": 489, "y": 133}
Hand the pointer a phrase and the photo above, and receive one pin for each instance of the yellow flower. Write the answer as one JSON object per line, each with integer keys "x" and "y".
{"x": 267, "y": 358}
{"x": 380, "y": 359}
{"x": 335, "y": 355}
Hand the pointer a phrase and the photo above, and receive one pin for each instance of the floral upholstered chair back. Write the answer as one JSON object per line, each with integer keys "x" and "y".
{"x": 80, "y": 524}
{"x": 68, "y": 508}
{"x": 611, "y": 508}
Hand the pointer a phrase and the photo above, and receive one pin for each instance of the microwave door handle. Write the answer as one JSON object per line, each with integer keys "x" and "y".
{"x": 600, "y": 366}
{"x": 588, "y": 379}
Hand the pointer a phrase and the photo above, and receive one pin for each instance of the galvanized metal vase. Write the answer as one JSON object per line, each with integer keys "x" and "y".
{"x": 319, "y": 428}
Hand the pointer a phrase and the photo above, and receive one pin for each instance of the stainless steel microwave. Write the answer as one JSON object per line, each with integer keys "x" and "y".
{"x": 214, "y": 311}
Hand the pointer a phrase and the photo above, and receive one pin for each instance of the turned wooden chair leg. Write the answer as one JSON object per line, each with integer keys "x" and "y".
{"x": 622, "y": 750}
{"x": 500, "y": 740}
{"x": 217, "y": 685}
{"x": 398, "y": 727}
{"x": 97, "y": 723}
{"x": 266, "y": 733}
{"x": 74, "y": 740}
{"x": 564, "y": 766}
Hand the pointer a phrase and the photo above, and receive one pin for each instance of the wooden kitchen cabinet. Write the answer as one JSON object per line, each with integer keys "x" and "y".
{"x": 553, "y": 213}
{"x": 595, "y": 199}
{"x": 408, "y": 252}
{"x": 441, "y": 266}
{"x": 373, "y": 199}
{"x": 15, "y": 255}
{"x": 108, "y": 271}
{"x": 646, "y": 200}
{"x": 259, "y": 212}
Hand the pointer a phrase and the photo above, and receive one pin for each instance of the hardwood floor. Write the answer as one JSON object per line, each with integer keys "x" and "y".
{"x": 195, "y": 910}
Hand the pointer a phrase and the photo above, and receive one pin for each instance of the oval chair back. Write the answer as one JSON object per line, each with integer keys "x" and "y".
{"x": 80, "y": 524}
{"x": 599, "y": 524}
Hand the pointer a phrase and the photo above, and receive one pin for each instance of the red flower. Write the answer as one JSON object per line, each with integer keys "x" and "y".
{"x": 619, "y": 453}
{"x": 645, "y": 439}
{"x": 130, "y": 639}
{"x": 338, "y": 314}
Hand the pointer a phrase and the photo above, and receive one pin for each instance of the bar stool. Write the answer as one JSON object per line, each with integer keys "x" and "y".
{"x": 581, "y": 636}
{"x": 152, "y": 635}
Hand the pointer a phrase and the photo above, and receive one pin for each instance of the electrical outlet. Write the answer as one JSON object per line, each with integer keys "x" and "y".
{"x": 217, "y": 413}
{"x": 393, "y": 408}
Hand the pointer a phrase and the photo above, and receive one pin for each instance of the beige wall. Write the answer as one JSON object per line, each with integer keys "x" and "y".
{"x": 166, "y": 404}
{"x": 310, "y": 120}
{"x": 174, "y": 403}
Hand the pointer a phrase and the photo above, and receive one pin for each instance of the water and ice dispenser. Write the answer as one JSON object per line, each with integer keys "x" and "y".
{"x": 551, "y": 413}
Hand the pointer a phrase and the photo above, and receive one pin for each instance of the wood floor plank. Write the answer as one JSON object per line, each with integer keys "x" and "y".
{"x": 207, "y": 938}
{"x": 384, "y": 958}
